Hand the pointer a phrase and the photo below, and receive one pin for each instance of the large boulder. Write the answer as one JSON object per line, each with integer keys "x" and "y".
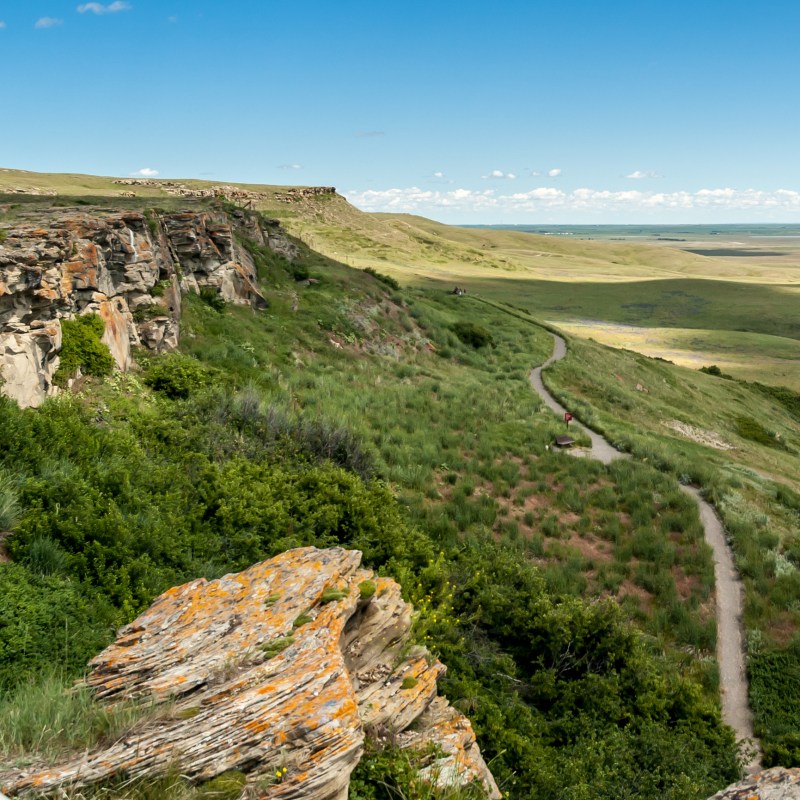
{"x": 285, "y": 666}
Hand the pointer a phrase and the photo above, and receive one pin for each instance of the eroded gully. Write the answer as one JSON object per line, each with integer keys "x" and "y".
{"x": 730, "y": 640}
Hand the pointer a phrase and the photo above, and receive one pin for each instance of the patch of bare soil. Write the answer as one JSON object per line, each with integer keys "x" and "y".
{"x": 707, "y": 438}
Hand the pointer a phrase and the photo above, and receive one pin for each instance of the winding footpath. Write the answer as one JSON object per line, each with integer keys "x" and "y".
{"x": 730, "y": 641}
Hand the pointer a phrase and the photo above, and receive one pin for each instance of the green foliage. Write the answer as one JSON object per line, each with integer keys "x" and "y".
{"x": 366, "y": 589}
{"x": 82, "y": 349}
{"x": 48, "y": 620}
{"x": 332, "y": 596}
{"x": 473, "y": 335}
{"x": 775, "y": 695}
{"x": 47, "y": 718}
{"x": 408, "y": 683}
{"x": 788, "y": 398}
{"x": 212, "y": 298}
{"x": 10, "y": 508}
{"x": 388, "y": 280}
{"x": 228, "y": 786}
{"x": 715, "y": 370}
{"x": 176, "y": 376}
{"x": 300, "y": 271}
{"x": 278, "y": 645}
{"x": 160, "y": 289}
{"x": 144, "y": 313}
{"x": 3, "y": 236}
{"x": 152, "y": 222}
{"x": 749, "y": 428}
{"x": 303, "y": 619}
{"x": 386, "y": 772}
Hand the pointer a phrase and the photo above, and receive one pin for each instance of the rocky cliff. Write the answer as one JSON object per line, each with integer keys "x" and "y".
{"x": 129, "y": 268}
{"x": 278, "y": 670}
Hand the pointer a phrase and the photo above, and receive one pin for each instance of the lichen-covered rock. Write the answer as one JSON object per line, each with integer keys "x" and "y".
{"x": 110, "y": 264}
{"x": 284, "y": 665}
{"x": 777, "y": 783}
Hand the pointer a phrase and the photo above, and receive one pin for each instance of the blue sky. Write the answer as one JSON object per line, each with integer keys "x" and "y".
{"x": 559, "y": 111}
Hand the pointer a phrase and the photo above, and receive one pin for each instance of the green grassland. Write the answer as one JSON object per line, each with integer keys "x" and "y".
{"x": 741, "y": 443}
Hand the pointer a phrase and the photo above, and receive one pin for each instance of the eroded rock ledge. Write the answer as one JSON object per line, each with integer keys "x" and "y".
{"x": 130, "y": 268}
{"x": 286, "y": 664}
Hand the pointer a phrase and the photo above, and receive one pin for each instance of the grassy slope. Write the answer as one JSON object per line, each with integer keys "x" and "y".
{"x": 585, "y": 284}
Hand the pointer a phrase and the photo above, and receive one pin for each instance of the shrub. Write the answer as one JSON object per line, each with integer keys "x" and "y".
{"x": 300, "y": 272}
{"x": 386, "y": 279}
{"x": 366, "y": 589}
{"x": 749, "y": 428}
{"x": 176, "y": 376}
{"x": 211, "y": 297}
{"x": 82, "y": 348}
{"x": 473, "y": 335}
{"x": 144, "y": 313}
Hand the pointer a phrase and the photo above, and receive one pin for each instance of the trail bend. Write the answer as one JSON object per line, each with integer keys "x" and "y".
{"x": 729, "y": 593}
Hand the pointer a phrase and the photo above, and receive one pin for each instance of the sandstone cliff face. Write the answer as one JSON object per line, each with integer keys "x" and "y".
{"x": 284, "y": 665}
{"x": 777, "y": 783}
{"x": 110, "y": 264}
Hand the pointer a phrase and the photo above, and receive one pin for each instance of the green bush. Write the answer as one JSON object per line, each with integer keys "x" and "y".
{"x": 300, "y": 271}
{"x": 211, "y": 297}
{"x": 473, "y": 335}
{"x": 749, "y": 428}
{"x": 82, "y": 348}
{"x": 388, "y": 280}
{"x": 176, "y": 376}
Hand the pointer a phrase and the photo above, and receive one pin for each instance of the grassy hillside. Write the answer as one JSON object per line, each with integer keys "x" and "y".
{"x": 741, "y": 442}
{"x": 572, "y": 602}
{"x": 656, "y": 291}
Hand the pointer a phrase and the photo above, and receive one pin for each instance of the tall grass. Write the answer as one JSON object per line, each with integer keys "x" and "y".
{"x": 48, "y": 717}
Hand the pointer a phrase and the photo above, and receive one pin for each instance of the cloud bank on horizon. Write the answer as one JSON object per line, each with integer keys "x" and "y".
{"x": 490, "y": 202}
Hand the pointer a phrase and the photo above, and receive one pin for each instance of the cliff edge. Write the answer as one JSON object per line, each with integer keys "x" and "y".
{"x": 130, "y": 268}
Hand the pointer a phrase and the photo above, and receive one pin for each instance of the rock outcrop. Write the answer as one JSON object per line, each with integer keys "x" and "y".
{"x": 777, "y": 783}
{"x": 280, "y": 669}
{"x": 129, "y": 268}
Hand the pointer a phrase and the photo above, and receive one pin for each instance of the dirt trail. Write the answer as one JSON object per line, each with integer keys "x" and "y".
{"x": 730, "y": 641}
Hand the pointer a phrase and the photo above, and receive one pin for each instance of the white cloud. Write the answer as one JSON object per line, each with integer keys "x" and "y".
{"x": 290, "y": 166}
{"x": 639, "y": 175}
{"x": 370, "y": 134}
{"x": 173, "y": 18}
{"x": 48, "y": 22}
{"x": 438, "y": 174}
{"x": 554, "y": 173}
{"x": 99, "y": 8}
{"x": 498, "y": 174}
{"x": 547, "y": 198}
{"x": 2, "y": 25}
{"x": 146, "y": 172}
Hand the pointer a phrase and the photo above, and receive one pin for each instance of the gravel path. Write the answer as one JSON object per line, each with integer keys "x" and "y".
{"x": 730, "y": 640}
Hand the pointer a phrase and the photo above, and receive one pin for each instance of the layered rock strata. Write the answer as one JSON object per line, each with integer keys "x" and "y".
{"x": 130, "y": 268}
{"x": 280, "y": 669}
